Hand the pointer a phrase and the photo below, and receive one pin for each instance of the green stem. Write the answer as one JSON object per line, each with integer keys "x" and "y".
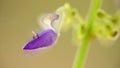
{"x": 83, "y": 49}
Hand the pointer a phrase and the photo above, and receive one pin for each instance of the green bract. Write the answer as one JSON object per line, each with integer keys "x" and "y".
{"x": 68, "y": 16}
{"x": 105, "y": 27}
{"x": 109, "y": 25}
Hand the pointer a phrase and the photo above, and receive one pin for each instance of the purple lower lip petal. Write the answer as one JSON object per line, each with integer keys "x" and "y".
{"x": 45, "y": 39}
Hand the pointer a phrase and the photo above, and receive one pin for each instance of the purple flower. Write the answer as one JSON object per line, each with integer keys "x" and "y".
{"x": 50, "y": 24}
{"x": 44, "y": 39}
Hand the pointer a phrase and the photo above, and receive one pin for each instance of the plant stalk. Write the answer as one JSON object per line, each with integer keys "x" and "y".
{"x": 82, "y": 50}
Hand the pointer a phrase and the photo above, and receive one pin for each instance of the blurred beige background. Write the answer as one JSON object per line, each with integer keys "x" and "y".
{"x": 19, "y": 17}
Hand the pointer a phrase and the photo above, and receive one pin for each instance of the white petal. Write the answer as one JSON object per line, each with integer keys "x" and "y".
{"x": 51, "y": 21}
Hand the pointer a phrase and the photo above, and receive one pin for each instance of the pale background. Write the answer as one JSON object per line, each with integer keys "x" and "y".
{"x": 19, "y": 17}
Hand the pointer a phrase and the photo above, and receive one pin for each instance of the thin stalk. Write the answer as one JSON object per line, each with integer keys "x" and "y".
{"x": 80, "y": 57}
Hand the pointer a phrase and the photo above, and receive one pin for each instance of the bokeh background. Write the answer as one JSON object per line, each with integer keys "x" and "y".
{"x": 19, "y": 17}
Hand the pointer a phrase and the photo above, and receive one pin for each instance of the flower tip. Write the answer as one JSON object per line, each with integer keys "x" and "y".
{"x": 26, "y": 48}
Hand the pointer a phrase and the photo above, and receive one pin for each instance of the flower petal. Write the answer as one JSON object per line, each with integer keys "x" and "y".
{"x": 45, "y": 39}
{"x": 46, "y": 21}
